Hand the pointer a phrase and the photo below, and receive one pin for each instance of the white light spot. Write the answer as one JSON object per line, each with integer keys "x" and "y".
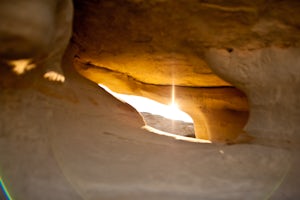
{"x": 21, "y": 66}
{"x": 177, "y": 137}
{"x": 143, "y": 104}
{"x": 54, "y": 76}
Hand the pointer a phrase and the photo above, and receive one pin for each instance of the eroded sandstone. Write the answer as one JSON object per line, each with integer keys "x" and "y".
{"x": 270, "y": 78}
{"x": 75, "y": 141}
{"x": 143, "y": 48}
{"x": 219, "y": 114}
{"x": 163, "y": 43}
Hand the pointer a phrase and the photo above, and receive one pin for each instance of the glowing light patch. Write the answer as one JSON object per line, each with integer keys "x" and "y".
{"x": 54, "y": 76}
{"x": 177, "y": 137}
{"x": 21, "y": 66}
{"x": 143, "y": 104}
{"x": 3, "y": 192}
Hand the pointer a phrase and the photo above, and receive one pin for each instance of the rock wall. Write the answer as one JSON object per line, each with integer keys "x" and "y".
{"x": 219, "y": 114}
{"x": 270, "y": 78}
{"x": 144, "y": 48}
{"x": 75, "y": 141}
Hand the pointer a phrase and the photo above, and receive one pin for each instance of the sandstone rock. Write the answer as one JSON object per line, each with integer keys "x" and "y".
{"x": 171, "y": 126}
{"x": 219, "y": 114}
{"x": 148, "y": 41}
{"x": 165, "y": 43}
{"x": 143, "y": 48}
{"x": 168, "y": 39}
{"x": 75, "y": 141}
{"x": 271, "y": 79}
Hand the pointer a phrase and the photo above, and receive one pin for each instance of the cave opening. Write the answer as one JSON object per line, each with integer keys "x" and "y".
{"x": 158, "y": 117}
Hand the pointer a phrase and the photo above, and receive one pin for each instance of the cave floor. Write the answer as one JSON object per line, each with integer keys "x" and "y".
{"x": 75, "y": 141}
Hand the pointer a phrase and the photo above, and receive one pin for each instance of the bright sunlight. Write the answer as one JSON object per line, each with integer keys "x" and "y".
{"x": 171, "y": 111}
{"x": 143, "y": 104}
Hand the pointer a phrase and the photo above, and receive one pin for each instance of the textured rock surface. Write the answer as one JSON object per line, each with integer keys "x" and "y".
{"x": 175, "y": 42}
{"x": 147, "y": 41}
{"x": 142, "y": 48}
{"x": 271, "y": 79}
{"x": 161, "y": 42}
{"x": 171, "y": 126}
{"x": 75, "y": 141}
{"x": 219, "y": 114}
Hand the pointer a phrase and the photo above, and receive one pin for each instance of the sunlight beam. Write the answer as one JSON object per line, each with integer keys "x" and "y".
{"x": 173, "y": 96}
{"x": 143, "y": 104}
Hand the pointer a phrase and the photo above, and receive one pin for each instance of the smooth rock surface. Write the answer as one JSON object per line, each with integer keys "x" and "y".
{"x": 163, "y": 43}
{"x": 271, "y": 79}
{"x": 219, "y": 113}
{"x": 75, "y": 141}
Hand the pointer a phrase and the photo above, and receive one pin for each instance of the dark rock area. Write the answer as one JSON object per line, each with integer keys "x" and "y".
{"x": 168, "y": 125}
